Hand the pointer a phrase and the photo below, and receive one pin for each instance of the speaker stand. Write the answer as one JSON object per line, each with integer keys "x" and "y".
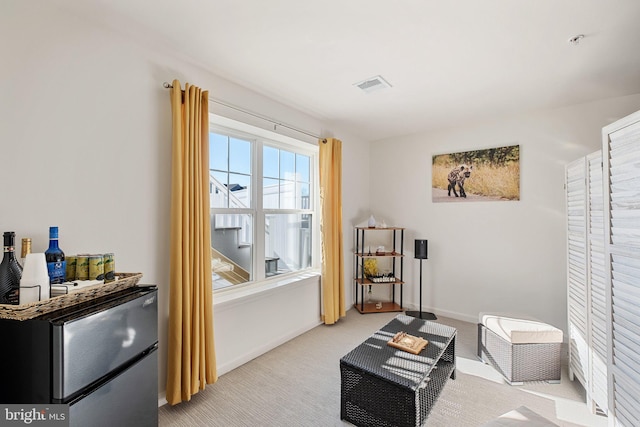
{"x": 424, "y": 315}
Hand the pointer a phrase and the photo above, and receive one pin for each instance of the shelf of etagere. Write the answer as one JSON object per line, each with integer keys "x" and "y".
{"x": 367, "y": 282}
{"x": 379, "y": 254}
{"x": 379, "y": 228}
{"x": 372, "y": 307}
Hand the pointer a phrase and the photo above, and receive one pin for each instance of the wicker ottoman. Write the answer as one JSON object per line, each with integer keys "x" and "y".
{"x": 520, "y": 349}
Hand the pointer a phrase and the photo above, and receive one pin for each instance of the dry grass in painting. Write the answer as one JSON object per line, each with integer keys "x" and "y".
{"x": 486, "y": 180}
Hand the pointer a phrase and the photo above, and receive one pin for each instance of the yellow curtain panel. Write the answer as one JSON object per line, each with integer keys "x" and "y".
{"x": 191, "y": 360}
{"x": 333, "y": 306}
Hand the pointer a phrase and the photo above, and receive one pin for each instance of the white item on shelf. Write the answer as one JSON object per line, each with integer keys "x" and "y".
{"x": 70, "y": 287}
{"x": 34, "y": 283}
{"x": 372, "y": 222}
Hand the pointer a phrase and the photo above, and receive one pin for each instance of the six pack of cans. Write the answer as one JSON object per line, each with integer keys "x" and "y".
{"x": 91, "y": 267}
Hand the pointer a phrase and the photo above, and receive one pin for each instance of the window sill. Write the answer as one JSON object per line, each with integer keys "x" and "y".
{"x": 258, "y": 289}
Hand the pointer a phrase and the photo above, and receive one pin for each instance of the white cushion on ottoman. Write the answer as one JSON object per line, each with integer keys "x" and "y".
{"x": 519, "y": 330}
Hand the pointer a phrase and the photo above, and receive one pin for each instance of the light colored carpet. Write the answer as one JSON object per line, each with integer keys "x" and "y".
{"x": 298, "y": 384}
{"x": 521, "y": 416}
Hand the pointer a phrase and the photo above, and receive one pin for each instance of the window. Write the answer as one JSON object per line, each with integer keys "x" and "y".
{"x": 263, "y": 198}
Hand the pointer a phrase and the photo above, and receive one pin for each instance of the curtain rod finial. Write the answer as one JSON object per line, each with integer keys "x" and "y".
{"x": 167, "y": 85}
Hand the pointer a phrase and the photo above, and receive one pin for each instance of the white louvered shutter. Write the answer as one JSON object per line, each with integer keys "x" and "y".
{"x": 577, "y": 268}
{"x": 621, "y": 144}
{"x": 597, "y": 307}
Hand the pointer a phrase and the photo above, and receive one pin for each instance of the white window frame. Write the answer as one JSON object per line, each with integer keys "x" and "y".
{"x": 258, "y": 138}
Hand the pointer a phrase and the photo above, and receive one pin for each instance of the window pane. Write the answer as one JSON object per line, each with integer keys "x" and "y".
{"x": 287, "y": 243}
{"x": 239, "y": 191}
{"x": 218, "y": 152}
{"x": 270, "y": 194}
{"x": 239, "y": 156}
{"x": 303, "y": 201}
{"x": 229, "y": 190}
{"x": 287, "y": 165}
{"x": 270, "y": 163}
{"x": 302, "y": 168}
{"x": 232, "y": 249}
{"x": 287, "y": 195}
{"x": 218, "y": 188}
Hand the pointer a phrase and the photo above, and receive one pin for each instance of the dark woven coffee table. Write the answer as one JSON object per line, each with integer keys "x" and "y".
{"x": 383, "y": 386}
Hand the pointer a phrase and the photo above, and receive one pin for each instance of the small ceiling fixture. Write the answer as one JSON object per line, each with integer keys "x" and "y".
{"x": 575, "y": 40}
{"x": 372, "y": 84}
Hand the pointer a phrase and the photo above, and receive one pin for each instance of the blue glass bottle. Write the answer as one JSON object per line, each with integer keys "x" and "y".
{"x": 56, "y": 263}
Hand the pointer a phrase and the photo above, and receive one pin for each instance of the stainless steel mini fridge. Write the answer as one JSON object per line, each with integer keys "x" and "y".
{"x": 99, "y": 357}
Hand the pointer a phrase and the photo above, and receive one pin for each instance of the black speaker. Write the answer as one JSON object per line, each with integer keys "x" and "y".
{"x": 421, "y": 249}
{"x": 421, "y": 253}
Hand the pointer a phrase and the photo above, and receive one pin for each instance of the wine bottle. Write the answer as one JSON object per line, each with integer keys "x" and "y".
{"x": 25, "y": 250}
{"x": 56, "y": 263}
{"x": 10, "y": 272}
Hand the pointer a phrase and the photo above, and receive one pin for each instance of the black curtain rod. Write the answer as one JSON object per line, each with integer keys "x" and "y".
{"x": 167, "y": 85}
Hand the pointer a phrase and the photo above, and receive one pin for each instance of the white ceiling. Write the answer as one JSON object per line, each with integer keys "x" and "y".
{"x": 449, "y": 62}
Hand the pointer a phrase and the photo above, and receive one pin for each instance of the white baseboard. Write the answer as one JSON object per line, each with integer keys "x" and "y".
{"x": 445, "y": 313}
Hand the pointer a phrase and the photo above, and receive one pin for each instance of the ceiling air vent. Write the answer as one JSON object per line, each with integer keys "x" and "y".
{"x": 372, "y": 84}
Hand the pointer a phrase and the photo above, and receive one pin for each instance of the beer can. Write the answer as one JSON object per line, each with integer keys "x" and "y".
{"x": 96, "y": 267}
{"x": 109, "y": 267}
{"x": 70, "y": 273}
{"x": 82, "y": 267}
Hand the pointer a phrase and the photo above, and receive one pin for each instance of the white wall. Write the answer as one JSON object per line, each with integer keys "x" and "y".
{"x": 491, "y": 256}
{"x": 85, "y": 145}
